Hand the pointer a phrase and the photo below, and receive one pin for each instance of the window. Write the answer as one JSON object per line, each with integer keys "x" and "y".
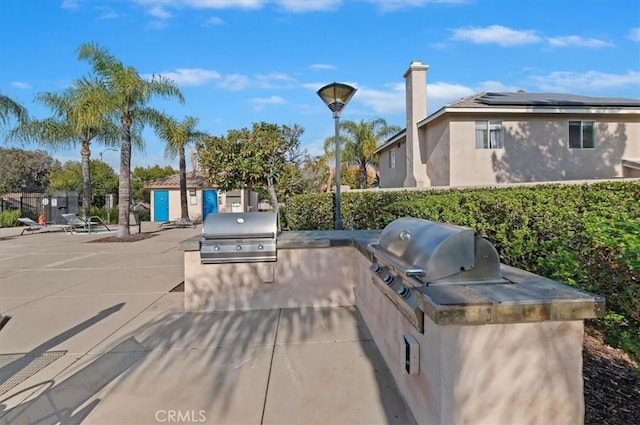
{"x": 193, "y": 199}
{"x": 392, "y": 158}
{"x": 489, "y": 135}
{"x": 581, "y": 135}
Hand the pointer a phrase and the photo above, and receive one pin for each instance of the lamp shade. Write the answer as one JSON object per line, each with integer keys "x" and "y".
{"x": 336, "y": 95}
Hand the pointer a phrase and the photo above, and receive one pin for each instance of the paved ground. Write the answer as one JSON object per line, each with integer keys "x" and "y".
{"x": 97, "y": 337}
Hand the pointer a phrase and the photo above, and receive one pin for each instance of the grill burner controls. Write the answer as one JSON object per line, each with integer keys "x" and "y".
{"x": 403, "y": 292}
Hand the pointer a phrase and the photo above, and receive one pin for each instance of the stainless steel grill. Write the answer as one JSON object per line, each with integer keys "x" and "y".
{"x": 412, "y": 253}
{"x": 239, "y": 238}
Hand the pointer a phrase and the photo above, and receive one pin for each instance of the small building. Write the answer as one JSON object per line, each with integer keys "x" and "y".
{"x": 510, "y": 137}
{"x": 202, "y": 198}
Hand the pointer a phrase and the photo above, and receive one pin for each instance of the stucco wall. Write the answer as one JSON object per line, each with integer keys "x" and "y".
{"x": 434, "y": 148}
{"x": 536, "y": 149}
{"x": 393, "y": 177}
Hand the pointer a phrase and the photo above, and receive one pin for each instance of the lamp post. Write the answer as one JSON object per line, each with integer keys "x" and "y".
{"x": 336, "y": 96}
{"x": 107, "y": 149}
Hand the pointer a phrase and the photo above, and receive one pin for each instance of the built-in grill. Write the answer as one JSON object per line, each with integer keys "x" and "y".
{"x": 413, "y": 253}
{"x": 239, "y": 238}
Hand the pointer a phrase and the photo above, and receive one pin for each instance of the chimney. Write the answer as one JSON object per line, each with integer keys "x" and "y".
{"x": 416, "y": 98}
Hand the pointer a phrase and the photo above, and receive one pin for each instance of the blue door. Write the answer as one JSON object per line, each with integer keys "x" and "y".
{"x": 209, "y": 202}
{"x": 161, "y": 205}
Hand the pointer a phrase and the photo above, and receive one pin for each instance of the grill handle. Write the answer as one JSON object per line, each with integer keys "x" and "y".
{"x": 396, "y": 263}
{"x": 237, "y": 236}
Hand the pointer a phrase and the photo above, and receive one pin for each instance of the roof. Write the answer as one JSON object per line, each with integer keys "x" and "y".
{"x": 489, "y": 99}
{"x": 194, "y": 181}
{"x": 522, "y": 101}
{"x": 396, "y": 138}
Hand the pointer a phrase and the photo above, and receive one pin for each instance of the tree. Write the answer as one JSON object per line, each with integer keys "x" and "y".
{"x": 70, "y": 178}
{"x": 140, "y": 175}
{"x": 10, "y": 108}
{"x": 80, "y": 115}
{"x": 129, "y": 95}
{"x": 359, "y": 140}
{"x": 258, "y": 158}
{"x": 25, "y": 170}
{"x": 177, "y": 135}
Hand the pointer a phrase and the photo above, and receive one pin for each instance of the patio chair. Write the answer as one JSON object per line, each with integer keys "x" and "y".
{"x": 178, "y": 222}
{"x": 78, "y": 224}
{"x": 32, "y": 226}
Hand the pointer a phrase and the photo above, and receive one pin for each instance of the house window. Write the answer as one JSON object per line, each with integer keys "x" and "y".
{"x": 581, "y": 135}
{"x": 489, "y": 135}
{"x": 193, "y": 200}
{"x": 392, "y": 158}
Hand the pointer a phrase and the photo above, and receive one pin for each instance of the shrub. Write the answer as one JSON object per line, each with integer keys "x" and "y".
{"x": 9, "y": 218}
{"x": 587, "y": 236}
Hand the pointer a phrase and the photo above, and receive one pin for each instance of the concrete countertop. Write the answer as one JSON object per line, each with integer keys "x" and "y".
{"x": 525, "y": 298}
{"x": 307, "y": 239}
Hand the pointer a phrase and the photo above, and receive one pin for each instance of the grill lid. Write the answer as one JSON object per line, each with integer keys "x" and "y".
{"x": 240, "y": 225}
{"x": 437, "y": 252}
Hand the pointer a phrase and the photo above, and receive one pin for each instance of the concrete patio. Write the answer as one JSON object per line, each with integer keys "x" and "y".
{"x": 97, "y": 337}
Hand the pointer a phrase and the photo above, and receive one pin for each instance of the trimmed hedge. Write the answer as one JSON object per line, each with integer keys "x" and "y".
{"x": 587, "y": 236}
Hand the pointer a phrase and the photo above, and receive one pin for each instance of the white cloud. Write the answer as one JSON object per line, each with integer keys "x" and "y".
{"x": 298, "y": 6}
{"x": 274, "y": 79}
{"x": 576, "y": 82}
{"x": 634, "y": 34}
{"x": 205, "y": 4}
{"x": 391, "y": 5}
{"x": 321, "y": 66}
{"x": 496, "y": 34}
{"x": 235, "y": 82}
{"x": 191, "y": 76}
{"x": 159, "y": 12}
{"x": 106, "y": 13}
{"x": 213, "y": 21}
{"x": 576, "y": 41}
{"x": 69, "y": 4}
{"x": 260, "y": 102}
{"x": 389, "y": 101}
{"x": 496, "y": 86}
{"x": 20, "y": 85}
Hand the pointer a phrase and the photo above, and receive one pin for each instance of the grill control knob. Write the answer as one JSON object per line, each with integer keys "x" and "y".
{"x": 376, "y": 267}
{"x": 238, "y": 248}
{"x": 216, "y": 248}
{"x": 388, "y": 279}
{"x": 260, "y": 247}
{"x": 403, "y": 292}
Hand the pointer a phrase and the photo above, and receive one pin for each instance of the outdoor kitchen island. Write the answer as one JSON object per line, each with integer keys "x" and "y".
{"x": 466, "y": 340}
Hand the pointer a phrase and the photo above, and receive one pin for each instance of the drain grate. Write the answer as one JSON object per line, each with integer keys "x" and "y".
{"x": 16, "y": 368}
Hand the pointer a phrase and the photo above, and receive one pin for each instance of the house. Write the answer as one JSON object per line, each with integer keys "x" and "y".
{"x": 492, "y": 138}
{"x": 202, "y": 198}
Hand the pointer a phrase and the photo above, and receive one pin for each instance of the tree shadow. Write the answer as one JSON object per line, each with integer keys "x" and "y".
{"x": 537, "y": 151}
{"x": 58, "y": 403}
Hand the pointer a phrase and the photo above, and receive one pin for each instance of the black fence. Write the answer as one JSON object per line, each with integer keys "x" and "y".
{"x": 32, "y": 205}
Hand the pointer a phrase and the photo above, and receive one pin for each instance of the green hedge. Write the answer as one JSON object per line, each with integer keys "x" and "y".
{"x": 9, "y": 218}
{"x": 587, "y": 236}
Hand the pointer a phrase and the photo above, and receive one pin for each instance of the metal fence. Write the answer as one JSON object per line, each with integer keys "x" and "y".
{"x": 32, "y": 204}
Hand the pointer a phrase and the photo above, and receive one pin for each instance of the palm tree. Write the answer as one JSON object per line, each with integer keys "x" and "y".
{"x": 80, "y": 115}
{"x": 178, "y": 135}
{"x": 129, "y": 96}
{"x": 357, "y": 143}
{"x": 361, "y": 139}
{"x": 9, "y": 107}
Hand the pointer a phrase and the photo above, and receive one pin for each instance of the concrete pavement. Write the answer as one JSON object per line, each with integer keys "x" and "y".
{"x": 97, "y": 337}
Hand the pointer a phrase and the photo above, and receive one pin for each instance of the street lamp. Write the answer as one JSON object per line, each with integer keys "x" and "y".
{"x": 107, "y": 149}
{"x": 336, "y": 96}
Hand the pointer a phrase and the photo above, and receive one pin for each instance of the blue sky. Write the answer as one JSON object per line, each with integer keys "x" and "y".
{"x": 244, "y": 61}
